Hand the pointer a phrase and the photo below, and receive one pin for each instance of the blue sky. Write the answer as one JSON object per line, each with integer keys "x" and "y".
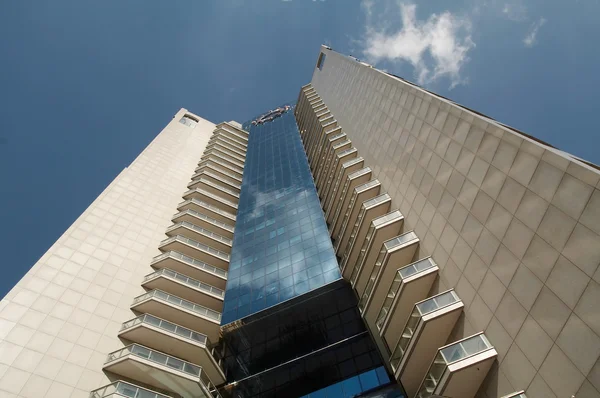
{"x": 86, "y": 85}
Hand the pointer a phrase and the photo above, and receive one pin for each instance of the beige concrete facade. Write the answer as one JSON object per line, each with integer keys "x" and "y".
{"x": 60, "y": 321}
{"x": 512, "y": 224}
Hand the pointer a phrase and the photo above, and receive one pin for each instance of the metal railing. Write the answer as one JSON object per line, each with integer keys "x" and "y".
{"x": 166, "y": 326}
{"x": 186, "y": 280}
{"x": 192, "y": 261}
{"x": 217, "y": 186}
{"x": 220, "y": 179}
{"x": 178, "y": 301}
{"x": 204, "y": 162}
{"x": 165, "y": 360}
{"x": 216, "y": 168}
{"x": 202, "y": 231}
{"x": 201, "y": 246}
{"x": 156, "y": 357}
{"x": 207, "y": 205}
{"x": 211, "y": 195}
{"x": 206, "y": 218}
{"x": 123, "y": 389}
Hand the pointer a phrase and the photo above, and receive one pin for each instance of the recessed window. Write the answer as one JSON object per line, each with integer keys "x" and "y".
{"x": 188, "y": 121}
{"x": 321, "y": 61}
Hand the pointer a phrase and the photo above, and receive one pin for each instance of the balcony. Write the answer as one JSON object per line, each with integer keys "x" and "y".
{"x": 215, "y": 177}
{"x": 334, "y": 178}
{"x": 195, "y": 249}
{"x": 361, "y": 193}
{"x": 210, "y": 210}
{"x": 204, "y": 221}
{"x": 202, "y": 235}
{"x": 176, "y": 340}
{"x": 411, "y": 284}
{"x": 161, "y": 371}
{"x": 226, "y": 149}
{"x": 224, "y": 142}
{"x": 373, "y": 224}
{"x": 334, "y": 197}
{"x": 217, "y": 162}
{"x": 337, "y": 218}
{"x": 232, "y": 134}
{"x": 228, "y": 130}
{"x": 216, "y": 187}
{"x": 396, "y": 252}
{"x": 228, "y": 142}
{"x": 319, "y": 151}
{"x": 337, "y": 143}
{"x": 459, "y": 368}
{"x": 212, "y": 199}
{"x": 221, "y": 160}
{"x": 190, "y": 266}
{"x": 185, "y": 287}
{"x": 322, "y": 178}
{"x": 126, "y": 390}
{"x": 429, "y": 326}
{"x": 177, "y": 310}
{"x": 222, "y": 172}
{"x": 223, "y": 157}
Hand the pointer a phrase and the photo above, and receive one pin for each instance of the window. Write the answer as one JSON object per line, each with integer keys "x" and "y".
{"x": 321, "y": 61}
{"x": 188, "y": 121}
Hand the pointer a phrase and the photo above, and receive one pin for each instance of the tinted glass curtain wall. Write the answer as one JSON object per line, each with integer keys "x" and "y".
{"x": 281, "y": 247}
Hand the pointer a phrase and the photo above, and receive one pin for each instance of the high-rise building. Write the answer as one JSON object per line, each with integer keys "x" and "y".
{"x": 373, "y": 239}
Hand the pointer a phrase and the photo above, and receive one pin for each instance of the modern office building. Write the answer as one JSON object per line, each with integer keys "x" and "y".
{"x": 373, "y": 239}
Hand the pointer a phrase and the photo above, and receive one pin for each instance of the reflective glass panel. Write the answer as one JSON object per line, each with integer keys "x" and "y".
{"x": 281, "y": 246}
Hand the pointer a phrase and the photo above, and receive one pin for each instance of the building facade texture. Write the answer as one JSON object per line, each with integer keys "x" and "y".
{"x": 373, "y": 239}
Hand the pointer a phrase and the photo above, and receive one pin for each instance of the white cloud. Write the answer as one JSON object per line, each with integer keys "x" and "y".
{"x": 436, "y": 47}
{"x": 531, "y": 37}
{"x": 515, "y": 11}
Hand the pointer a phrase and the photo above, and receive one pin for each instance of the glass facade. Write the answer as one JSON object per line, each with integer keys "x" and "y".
{"x": 354, "y": 386}
{"x": 281, "y": 246}
{"x": 300, "y": 346}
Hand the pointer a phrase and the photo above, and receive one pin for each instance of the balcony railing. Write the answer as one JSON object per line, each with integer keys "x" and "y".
{"x": 220, "y": 179}
{"x": 449, "y": 354}
{"x": 211, "y": 195}
{"x": 225, "y": 150}
{"x": 218, "y": 186}
{"x": 228, "y": 144}
{"x": 202, "y": 231}
{"x": 205, "y": 161}
{"x": 201, "y": 246}
{"x": 156, "y": 357}
{"x": 185, "y": 280}
{"x": 192, "y": 261}
{"x": 221, "y": 155}
{"x": 164, "y": 360}
{"x": 205, "y": 218}
{"x": 402, "y": 274}
{"x": 387, "y": 247}
{"x": 123, "y": 389}
{"x": 184, "y": 304}
{"x": 207, "y": 205}
{"x": 166, "y": 326}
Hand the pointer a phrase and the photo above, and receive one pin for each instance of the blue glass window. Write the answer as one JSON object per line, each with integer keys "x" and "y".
{"x": 353, "y": 386}
{"x": 281, "y": 247}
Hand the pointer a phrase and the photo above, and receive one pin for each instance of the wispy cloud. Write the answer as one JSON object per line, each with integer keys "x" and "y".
{"x": 531, "y": 37}
{"x": 515, "y": 11}
{"x": 437, "y": 47}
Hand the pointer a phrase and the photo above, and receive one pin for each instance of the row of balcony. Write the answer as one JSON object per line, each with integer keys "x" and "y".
{"x": 382, "y": 262}
{"x": 171, "y": 351}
